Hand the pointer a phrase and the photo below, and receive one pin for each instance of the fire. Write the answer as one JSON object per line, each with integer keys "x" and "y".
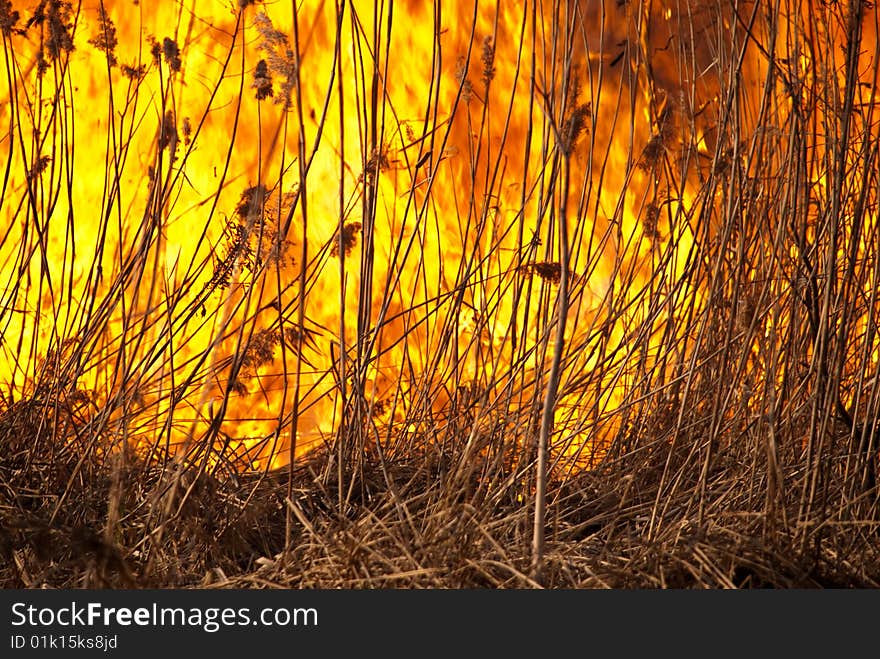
{"x": 240, "y": 232}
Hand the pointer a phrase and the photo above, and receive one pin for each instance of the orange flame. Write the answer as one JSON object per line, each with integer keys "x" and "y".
{"x": 241, "y": 230}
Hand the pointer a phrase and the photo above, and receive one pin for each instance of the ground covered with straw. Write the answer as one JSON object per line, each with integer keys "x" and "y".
{"x": 412, "y": 522}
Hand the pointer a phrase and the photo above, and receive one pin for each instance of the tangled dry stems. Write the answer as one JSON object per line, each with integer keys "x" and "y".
{"x": 743, "y": 454}
{"x": 418, "y": 521}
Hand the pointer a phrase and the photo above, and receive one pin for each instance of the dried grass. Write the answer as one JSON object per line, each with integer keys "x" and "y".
{"x": 742, "y": 452}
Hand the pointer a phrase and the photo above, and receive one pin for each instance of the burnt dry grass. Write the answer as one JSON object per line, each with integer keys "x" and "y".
{"x": 419, "y": 521}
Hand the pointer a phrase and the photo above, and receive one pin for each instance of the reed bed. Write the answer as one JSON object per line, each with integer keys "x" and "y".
{"x": 585, "y": 299}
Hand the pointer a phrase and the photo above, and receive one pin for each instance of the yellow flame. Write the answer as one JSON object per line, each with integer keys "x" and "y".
{"x": 431, "y": 142}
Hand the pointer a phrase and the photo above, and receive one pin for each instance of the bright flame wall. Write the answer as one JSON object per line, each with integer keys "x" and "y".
{"x": 375, "y": 247}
